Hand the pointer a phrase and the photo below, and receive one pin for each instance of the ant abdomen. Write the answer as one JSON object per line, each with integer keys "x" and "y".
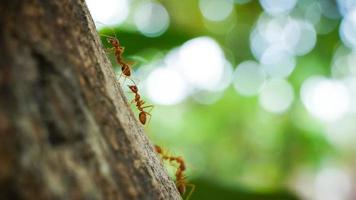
{"x": 181, "y": 188}
{"x": 142, "y": 116}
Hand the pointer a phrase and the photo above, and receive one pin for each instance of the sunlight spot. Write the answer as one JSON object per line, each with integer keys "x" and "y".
{"x": 350, "y": 83}
{"x": 325, "y": 99}
{"x": 313, "y": 12}
{"x": 248, "y": 78}
{"x": 278, "y": 7}
{"x": 151, "y": 19}
{"x": 332, "y": 184}
{"x": 292, "y": 35}
{"x": 345, "y": 6}
{"x": 348, "y": 29}
{"x": 342, "y": 133}
{"x": 201, "y": 62}
{"x": 276, "y": 96}
{"x": 165, "y": 86}
{"x": 108, "y": 12}
{"x": 216, "y": 10}
{"x": 330, "y": 9}
{"x": 344, "y": 65}
{"x": 258, "y": 44}
{"x": 277, "y": 62}
{"x": 307, "y": 39}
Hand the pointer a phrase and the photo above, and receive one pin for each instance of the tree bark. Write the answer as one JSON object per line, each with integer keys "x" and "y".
{"x": 66, "y": 130}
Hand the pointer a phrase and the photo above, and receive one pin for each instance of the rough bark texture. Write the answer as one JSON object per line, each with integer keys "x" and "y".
{"x": 66, "y": 131}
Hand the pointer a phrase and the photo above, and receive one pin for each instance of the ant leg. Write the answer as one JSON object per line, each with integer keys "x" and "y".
{"x": 192, "y": 186}
{"x": 133, "y": 101}
{"x": 135, "y": 82}
{"x": 123, "y": 82}
{"x": 172, "y": 161}
{"x": 161, "y": 152}
{"x": 131, "y": 80}
{"x": 149, "y": 106}
{"x": 118, "y": 78}
{"x": 110, "y": 50}
{"x": 149, "y": 116}
{"x": 125, "y": 77}
{"x": 122, "y": 49}
{"x": 165, "y": 155}
{"x": 107, "y": 36}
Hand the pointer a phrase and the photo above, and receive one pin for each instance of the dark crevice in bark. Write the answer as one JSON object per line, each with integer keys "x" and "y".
{"x": 51, "y": 87}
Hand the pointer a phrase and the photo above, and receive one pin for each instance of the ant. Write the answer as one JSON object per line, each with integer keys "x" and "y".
{"x": 139, "y": 104}
{"x": 119, "y": 50}
{"x": 181, "y": 182}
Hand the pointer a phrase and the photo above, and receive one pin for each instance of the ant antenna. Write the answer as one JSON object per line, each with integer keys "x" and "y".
{"x": 108, "y": 36}
{"x": 107, "y": 26}
{"x": 192, "y": 186}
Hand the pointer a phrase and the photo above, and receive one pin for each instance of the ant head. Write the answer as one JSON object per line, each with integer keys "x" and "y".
{"x": 133, "y": 88}
{"x": 158, "y": 149}
{"x": 182, "y": 166}
{"x": 180, "y": 159}
{"x": 113, "y": 41}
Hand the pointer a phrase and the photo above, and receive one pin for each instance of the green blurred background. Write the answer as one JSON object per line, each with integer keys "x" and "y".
{"x": 258, "y": 96}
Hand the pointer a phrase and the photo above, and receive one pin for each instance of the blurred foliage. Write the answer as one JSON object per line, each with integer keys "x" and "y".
{"x": 211, "y": 190}
{"x": 234, "y": 149}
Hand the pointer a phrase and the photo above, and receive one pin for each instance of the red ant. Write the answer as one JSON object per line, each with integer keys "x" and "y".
{"x": 139, "y": 104}
{"x": 181, "y": 183}
{"x": 119, "y": 50}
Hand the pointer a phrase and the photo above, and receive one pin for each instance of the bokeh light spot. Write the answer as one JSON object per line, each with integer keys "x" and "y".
{"x": 151, "y": 19}
{"x": 201, "y": 62}
{"x": 165, "y": 86}
{"x": 325, "y": 99}
{"x": 278, "y": 7}
{"x": 277, "y": 62}
{"x": 294, "y": 36}
{"x": 348, "y": 29}
{"x": 108, "y": 12}
{"x": 216, "y": 10}
{"x": 313, "y": 13}
{"x": 331, "y": 184}
{"x": 307, "y": 39}
{"x": 276, "y": 96}
{"x": 345, "y": 6}
{"x": 248, "y": 78}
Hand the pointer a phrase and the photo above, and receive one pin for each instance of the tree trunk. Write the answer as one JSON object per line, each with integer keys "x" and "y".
{"x": 66, "y": 130}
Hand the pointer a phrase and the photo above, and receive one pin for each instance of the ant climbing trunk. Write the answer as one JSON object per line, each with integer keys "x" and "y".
{"x": 66, "y": 129}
